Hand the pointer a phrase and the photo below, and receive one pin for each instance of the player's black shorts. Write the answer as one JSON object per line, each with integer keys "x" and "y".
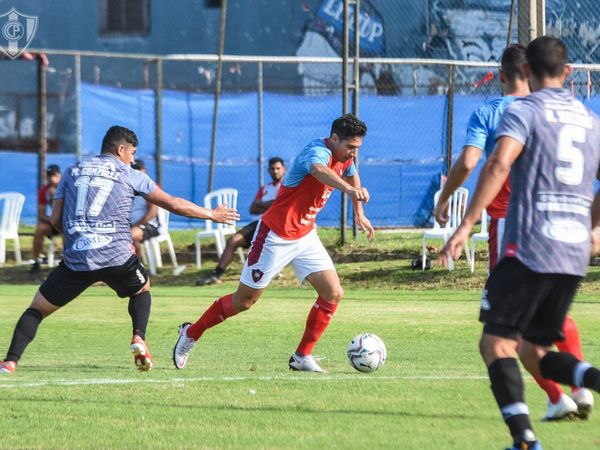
{"x": 517, "y": 300}
{"x": 149, "y": 231}
{"x": 248, "y": 232}
{"x": 64, "y": 284}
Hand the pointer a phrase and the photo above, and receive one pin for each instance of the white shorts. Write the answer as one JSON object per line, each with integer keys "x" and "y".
{"x": 269, "y": 254}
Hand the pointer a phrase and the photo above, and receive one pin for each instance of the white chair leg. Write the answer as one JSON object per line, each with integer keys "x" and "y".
{"x": 18, "y": 251}
{"x": 219, "y": 239}
{"x": 423, "y": 254}
{"x": 2, "y": 251}
{"x": 472, "y": 262}
{"x": 172, "y": 252}
{"x": 151, "y": 257}
{"x": 451, "y": 259}
{"x": 467, "y": 253}
{"x": 51, "y": 253}
{"x": 197, "y": 253}
{"x": 157, "y": 255}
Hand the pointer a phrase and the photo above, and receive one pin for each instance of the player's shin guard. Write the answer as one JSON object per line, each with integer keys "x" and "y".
{"x": 214, "y": 315}
{"x": 566, "y": 369}
{"x": 317, "y": 321}
{"x": 24, "y": 333}
{"x": 507, "y": 386}
{"x": 139, "y": 310}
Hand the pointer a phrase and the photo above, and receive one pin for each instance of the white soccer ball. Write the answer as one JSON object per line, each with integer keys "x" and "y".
{"x": 367, "y": 352}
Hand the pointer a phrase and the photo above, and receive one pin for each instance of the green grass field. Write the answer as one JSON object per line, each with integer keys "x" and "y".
{"x": 77, "y": 386}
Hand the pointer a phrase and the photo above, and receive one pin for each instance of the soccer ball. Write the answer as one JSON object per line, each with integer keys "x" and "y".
{"x": 367, "y": 352}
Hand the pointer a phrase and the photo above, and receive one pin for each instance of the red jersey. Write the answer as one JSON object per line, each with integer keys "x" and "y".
{"x": 301, "y": 196}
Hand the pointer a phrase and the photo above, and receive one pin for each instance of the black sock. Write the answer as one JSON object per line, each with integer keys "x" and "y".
{"x": 24, "y": 333}
{"x": 218, "y": 272}
{"x": 566, "y": 369}
{"x": 139, "y": 310}
{"x": 508, "y": 389}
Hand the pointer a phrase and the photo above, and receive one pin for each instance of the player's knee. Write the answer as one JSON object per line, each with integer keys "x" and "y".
{"x": 235, "y": 241}
{"x": 334, "y": 294}
{"x": 244, "y": 302}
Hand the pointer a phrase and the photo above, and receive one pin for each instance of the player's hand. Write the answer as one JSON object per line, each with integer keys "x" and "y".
{"x": 223, "y": 214}
{"x": 440, "y": 212}
{"x": 454, "y": 247}
{"x": 361, "y": 194}
{"x": 365, "y": 226}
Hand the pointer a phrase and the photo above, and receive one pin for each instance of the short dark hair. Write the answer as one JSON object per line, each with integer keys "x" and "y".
{"x": 547, "y": 56}
{"x": 512, "y": 62}
{"x": 115, "y": 135}
{"x": 348, "y": 126}
{"x": 275, "y": 160}
{"x": 139, "y": 164}
{"x": 52, "y": 169}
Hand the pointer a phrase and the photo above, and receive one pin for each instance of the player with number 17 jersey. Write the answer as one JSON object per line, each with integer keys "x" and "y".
{"x": 98, "y": 195}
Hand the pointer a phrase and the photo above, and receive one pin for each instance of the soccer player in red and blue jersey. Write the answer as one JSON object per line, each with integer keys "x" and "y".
{"x": 286, "y": 235}
{"x": 481, "y": 135}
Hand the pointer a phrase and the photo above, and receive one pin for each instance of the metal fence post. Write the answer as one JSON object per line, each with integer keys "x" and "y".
{"x": 261, "y": 137}
{"x": 42, "y": 125}
{"x": 158, "y": 122}
{"x": 219, "y": 76}
{"x": 449, "y": 118}
{"x": 78, "y": 131}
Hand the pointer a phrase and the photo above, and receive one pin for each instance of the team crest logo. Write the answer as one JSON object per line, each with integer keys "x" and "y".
{"x": 257, "y": 275}
{"x": 18, "y": 30}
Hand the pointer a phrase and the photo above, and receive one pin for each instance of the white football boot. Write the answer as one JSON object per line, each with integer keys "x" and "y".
{"x": 565, "y": 408}
{"x": 183, "y": 346}
{"x": 584, "y": 400}
{"x": 304, "y": 363}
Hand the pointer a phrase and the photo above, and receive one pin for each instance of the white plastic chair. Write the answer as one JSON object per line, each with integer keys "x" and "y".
{"x": 152, "y": 245}
{"x": 218, "y": 231}
{"x": 483, "y": 235}
{"x": 12, "y": 205}
{"x": 456, "y": 211}
{"x": 51, "y": 246}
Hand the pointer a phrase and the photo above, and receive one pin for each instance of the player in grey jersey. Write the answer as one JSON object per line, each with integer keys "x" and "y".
{"x": 92, "y": 206}
{"x": 552, "y": 143}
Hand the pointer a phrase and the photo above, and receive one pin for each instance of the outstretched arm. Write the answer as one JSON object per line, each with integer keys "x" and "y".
{"x": 359, "y": 215}
{"x": 186, "y": 208}
{"x": 458, "y": 175}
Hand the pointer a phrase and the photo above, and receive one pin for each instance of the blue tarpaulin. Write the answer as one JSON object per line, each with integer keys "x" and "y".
{"x": 400, "y": 162}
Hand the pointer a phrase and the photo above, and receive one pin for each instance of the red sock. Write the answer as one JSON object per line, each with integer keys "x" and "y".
{"x": 572, "y": 342}
{"x": 318, "y": 319}
{"x": 214, "y": 315}
{"x": 552, "y": 388}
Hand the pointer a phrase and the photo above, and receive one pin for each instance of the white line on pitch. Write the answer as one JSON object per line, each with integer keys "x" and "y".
{"x": 101, "y": 381}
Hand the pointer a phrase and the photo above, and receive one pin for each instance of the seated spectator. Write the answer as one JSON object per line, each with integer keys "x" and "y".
{"x": 144, "y": 216}
{"x": 243, "y": 238}
{"x": 44, "y": 229}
